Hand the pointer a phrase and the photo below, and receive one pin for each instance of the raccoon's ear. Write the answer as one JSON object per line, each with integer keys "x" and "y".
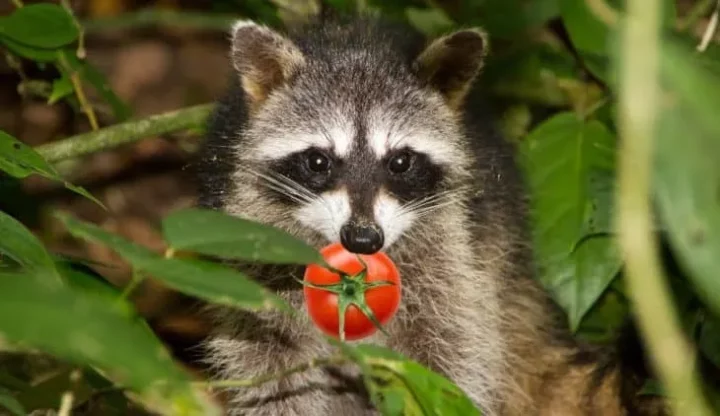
{"x": 263, "y": 58}
{"x": 451, "y": 63}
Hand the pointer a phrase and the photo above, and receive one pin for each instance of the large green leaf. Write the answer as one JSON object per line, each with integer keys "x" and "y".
{"x": 687, "y": 173}
{"x": 30, "y": 52}
{"x": 24, "y": 248}
{"x": 207, "y": 280}
{"x": 41, "y": 25}
{"x": 20, "y": 161}
{"x": 563, "y": 159}
{"x": 400, "y": 386}
{"x": 218, "y": 234}
{"x": 84, "y": 330}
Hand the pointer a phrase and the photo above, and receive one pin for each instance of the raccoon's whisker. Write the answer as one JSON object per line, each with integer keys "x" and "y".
{"x": 284, "y": 185}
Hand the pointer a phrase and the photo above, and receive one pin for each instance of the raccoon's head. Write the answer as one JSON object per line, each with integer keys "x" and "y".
{"x": 351, "y": 134}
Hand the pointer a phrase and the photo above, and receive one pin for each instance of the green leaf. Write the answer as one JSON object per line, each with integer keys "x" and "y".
{"x": 61, "y": 88}
{"x": 399, "y": 386}
{"x": 24, "y": 248}
{"x": 20, "y": 161}
{"x": 84, "y": 330}
{"x": 41, "y": 25}
{"x": 431, "y": 22}
{"x": 218, "y": 234}
{"x": 9, "y": 402}
{"x": 30, "y": 52}
{"x": 589, "y": 33}
{"x": 709, "y": 340}
{"x": 211, "y": 281}
{"x": 687, "y": 175}
{"x": 101, "y": 85}
{"x": 560, "y": 158}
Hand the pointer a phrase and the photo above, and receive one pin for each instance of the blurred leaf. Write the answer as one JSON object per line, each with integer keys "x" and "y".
{"x": 20, "y": 160}
{"x": 399, "y": 386}
{"x": 23, "y": 247}
{"x": 218, "y": 234}
{"x": 30, "y": 52}
{"x": 709, "y": 340}
{"x": 210, "y": 281}
{"x": 82, "y": 329}
{"x": 687, "y": 175}
{"x": 589, "y": 33}
{"x": 431, "y": 22}
{"x": 652, "y": 387}
{"x": 560, "y": 157}
{"x": 61, "y": 88}
{"x": 9, "y": 402}
{"x": 83, "y": 279}
{"x": 42, "y": 25}
{"x": 101, "y": 85}
{"x": 606, "y": 317}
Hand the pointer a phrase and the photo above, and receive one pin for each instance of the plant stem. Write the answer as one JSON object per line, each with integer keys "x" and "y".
{"x": 698, "y": 10}
{"x": 257, "y": 381}
{"x": 639, "y": 95}
{"x": 158, "y": 17}
{"x": 81, "y": 32}
{"x": 128, "y": 132}
{"x": 136, "y": 279}
{"x": 710, "y": 30}
{"x": 79, "y": 91}
{"x": 603, "y": 12}
{"x": 18, "y": 3}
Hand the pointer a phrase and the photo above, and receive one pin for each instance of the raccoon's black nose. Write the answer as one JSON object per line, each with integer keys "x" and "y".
{"x": 361, "y": 239}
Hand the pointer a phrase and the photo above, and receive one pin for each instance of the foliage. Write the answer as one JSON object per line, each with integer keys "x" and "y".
{"x": 552, "y": 73}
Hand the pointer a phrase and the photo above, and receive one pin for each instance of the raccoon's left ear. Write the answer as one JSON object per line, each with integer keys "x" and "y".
{"x": 451, "y": 63}
{"x": 263, "y": 58}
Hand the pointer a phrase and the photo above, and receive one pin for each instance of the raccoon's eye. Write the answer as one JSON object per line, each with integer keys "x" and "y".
{"x": 400, "y": 163}
{"x": 317, "y": 162}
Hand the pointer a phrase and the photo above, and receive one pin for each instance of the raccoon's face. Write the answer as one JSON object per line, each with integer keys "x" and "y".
{"x": 354, "y": 143}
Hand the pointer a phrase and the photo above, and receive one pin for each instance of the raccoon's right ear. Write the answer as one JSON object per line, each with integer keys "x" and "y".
{"x": 263, "y": 58}
{"x": 451, "y": 63}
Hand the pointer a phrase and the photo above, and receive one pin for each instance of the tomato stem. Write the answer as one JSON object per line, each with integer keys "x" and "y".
{"x": 351, "y": 291}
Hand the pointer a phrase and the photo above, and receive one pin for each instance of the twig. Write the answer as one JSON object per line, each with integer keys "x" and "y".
{"x": 257, "y": 381}
{"x": 81, "y": 32}
{"x": 79, "y": 91}
{"x": 156, "y": 17}
{"x": 136, "y": 279}
{"x": 710, "y": 30}
{"x": 639, "y": 95}
{"x": 698, "y": 10}
{"x": 128, "y": 132}
{"x": 604, "y": 12}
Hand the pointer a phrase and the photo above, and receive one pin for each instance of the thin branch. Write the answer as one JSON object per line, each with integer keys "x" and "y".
{"x": 603, "y": 11}
{"x": 158, "y": 17}
{"x": 136, "y": 279}
{"x": 128, "y": 132}
{"x": 79, "y": 91}
{"x": 698, "y": 10}
{"x": 81, "y": 32}
{"x": 639, "y": 95}
{"x": 257, "y": 381}
{"x": 710, "y": 30}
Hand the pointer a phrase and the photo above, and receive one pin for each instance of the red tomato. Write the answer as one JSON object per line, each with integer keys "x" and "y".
{"x": 323, "y": 304}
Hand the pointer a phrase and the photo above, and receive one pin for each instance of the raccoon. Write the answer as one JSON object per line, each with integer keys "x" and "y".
{"x": 360, "y": 131}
